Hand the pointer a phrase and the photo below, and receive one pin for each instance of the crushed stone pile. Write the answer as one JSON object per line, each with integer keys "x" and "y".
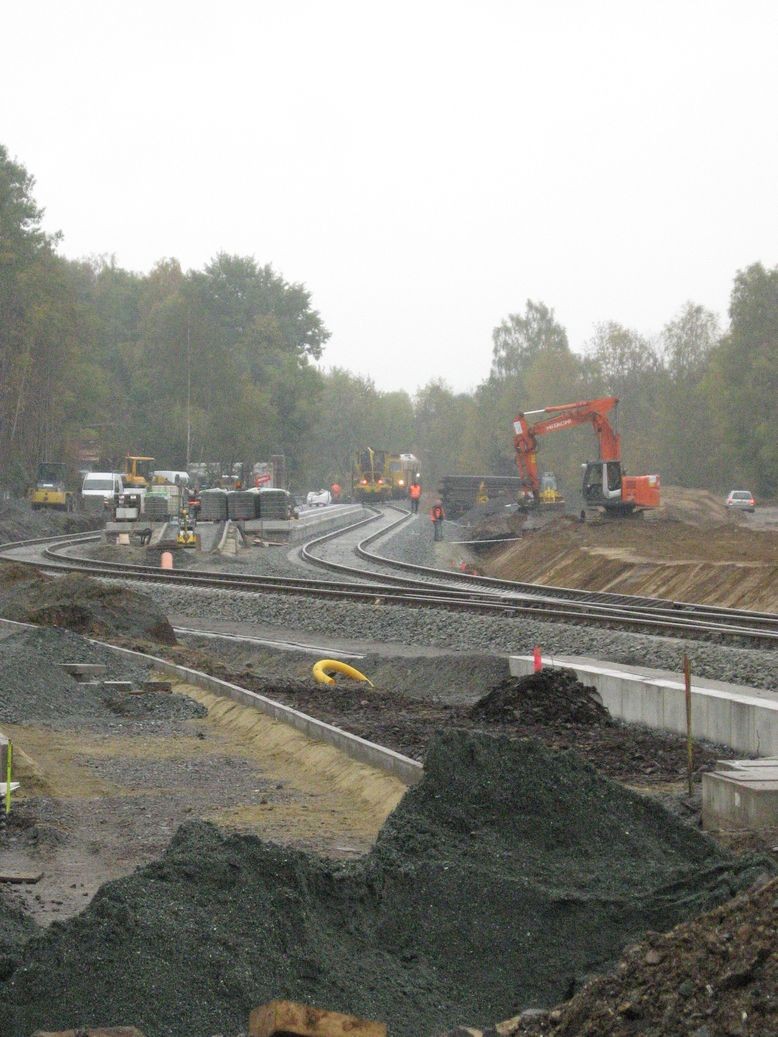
{"x": 19, "y": 522}
{"x": 551, "y": 696}
{"x": 15, "y": 928}
{"x": 35, "y": 690}
{"x": 715, "y": 975}
{"x": 82, "y": 604}
{"x": 502, "y": 879}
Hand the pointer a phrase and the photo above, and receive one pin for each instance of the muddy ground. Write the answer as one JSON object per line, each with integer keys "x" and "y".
{"x": 81, "y": 604}
{"x": 716, "y": 975}
{"x": 691, "y": 550}
{"x": 406, "y": 720}
{"x": 19, "y": 522}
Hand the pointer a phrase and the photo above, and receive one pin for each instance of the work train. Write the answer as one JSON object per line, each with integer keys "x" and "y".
{"x": 380, "y": 476}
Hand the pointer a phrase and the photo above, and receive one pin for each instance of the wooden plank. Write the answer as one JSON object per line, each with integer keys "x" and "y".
{"x": 92, "y": 1031}
{"x": 290, "y": 1019}
{"x": 20, "y": 877}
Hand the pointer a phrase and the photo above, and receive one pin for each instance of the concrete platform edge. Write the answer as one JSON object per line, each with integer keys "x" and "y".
{"x": 401, "y": 767}
{"x": 747, "y": 723}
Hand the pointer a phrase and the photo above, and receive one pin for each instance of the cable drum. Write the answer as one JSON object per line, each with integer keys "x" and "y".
{"x": 213, "y": 506}
{"x": 155, "y": 507}
{"x": 274, "y": 505}
{"x": 242, "y": 504}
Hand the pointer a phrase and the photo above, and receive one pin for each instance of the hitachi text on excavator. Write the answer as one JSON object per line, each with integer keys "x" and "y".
{"x": 604, "y": 483}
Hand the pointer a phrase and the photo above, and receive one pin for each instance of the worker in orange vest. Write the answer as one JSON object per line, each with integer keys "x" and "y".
{"x": 335, "y": 491}
{"x": 414, "y": 492}
{"x": 438, "y": 515}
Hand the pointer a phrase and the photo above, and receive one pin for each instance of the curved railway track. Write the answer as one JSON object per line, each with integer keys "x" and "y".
{"x": 430, "y": 588}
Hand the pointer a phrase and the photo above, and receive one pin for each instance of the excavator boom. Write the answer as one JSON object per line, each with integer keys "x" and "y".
{"x": 604, "y": 483}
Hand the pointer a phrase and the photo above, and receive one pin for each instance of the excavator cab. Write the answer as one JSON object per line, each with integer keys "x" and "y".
{"x": 602, "y": 485}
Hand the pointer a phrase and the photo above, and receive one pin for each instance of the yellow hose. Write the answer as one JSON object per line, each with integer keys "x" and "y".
{"x": 321, "y": 672}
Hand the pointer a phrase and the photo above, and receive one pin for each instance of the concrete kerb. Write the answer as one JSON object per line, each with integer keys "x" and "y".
{"x": 745, "y": 719}
{"x": 401, "y": 767}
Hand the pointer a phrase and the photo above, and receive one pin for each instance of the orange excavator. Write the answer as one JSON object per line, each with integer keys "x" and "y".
{"x": 604, "y": 483}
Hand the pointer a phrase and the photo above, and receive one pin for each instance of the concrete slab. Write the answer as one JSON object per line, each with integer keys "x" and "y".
{"x": 741, "y": 795}
{"x": 79, "y": 670}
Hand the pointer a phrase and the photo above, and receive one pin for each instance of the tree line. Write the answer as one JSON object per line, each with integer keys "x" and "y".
{"x": 222, "y": 364}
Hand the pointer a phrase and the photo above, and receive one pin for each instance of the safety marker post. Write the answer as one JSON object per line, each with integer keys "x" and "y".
{"x": 537, "y": 659}
{"x": 8, "y": 773}
{"x": 687, "y": 679}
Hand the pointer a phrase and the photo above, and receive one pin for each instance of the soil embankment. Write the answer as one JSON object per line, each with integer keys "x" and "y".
{"x": 691, "y": 550}
{"x": 81, "y": 604}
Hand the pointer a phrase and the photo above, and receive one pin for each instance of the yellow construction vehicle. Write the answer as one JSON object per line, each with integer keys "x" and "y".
{"x": 137, "y": 471}
{"x": 53, "y": 487}
{"x": 186, "y": 536}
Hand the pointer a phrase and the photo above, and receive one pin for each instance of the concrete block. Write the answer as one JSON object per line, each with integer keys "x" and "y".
{"x": 79, "y": 670}
{"x": 289, "y": 1019}
{"x": 743, "y": 797}
{"x": 673, "y": 716}
{"x": 742, "y": 732}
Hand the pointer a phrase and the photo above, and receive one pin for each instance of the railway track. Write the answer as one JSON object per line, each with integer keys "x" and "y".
{"x": 427, "y": 588}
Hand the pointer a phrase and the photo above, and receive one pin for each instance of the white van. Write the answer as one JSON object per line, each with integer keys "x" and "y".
{"x": 99, "y": 488}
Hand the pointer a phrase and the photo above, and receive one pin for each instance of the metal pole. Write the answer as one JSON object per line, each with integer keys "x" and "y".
{"x": 687, "y": 675}
{"x": 8, "y": 773}
{"x": 188, "y": 394}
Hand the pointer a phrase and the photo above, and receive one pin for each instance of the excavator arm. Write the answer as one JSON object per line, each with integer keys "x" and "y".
{"x": 604, "y": 483}
{"x": 563, "y": 416}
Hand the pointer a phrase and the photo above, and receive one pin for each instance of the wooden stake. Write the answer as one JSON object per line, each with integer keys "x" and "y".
{"x": 687, "y": 676}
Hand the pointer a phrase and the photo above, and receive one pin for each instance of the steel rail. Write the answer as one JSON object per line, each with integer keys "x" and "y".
{"x": 419, "y": 593}
{"x": 551, "y": 592}
{"x": 568, "y": 602}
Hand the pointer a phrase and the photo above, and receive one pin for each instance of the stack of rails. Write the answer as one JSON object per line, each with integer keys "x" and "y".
{"x": 460, "y": 493}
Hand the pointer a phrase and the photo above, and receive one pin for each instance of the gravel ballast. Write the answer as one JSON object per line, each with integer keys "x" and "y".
{"x": 456, "y": 631}
{"x": 504, "y": 877}
{"x": 34, "y": 689}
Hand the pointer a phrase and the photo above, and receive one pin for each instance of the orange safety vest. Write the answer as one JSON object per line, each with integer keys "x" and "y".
{"x": 437, "y": 513}
{"x": 414, "y": 491}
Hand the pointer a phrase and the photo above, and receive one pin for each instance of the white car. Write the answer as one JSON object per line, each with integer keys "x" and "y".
{"x": 741, "y": 499}
{"x": 318, "y": 498}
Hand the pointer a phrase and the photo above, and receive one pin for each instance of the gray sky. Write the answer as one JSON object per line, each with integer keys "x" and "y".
{"x": 424, "y": 167}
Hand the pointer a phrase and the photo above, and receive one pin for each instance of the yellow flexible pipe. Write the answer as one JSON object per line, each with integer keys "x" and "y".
{"x": 323, "y": 666}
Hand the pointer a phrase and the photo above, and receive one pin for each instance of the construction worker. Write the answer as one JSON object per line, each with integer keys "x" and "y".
{"x": 414, "y": 492}
{"x": 437, "y": 516}
{"x": 335, "y": 490}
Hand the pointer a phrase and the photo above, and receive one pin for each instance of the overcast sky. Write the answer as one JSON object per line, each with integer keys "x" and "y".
{"x": 423, "y": 167}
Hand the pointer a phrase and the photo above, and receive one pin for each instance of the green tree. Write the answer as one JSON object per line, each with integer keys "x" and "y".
{"x": 442, "y": 417}
{"x": 742, "y": 387}
{"x": 626, "y": 364}
{"x": 687, "y": 437}
{"x": 518, "y": 339}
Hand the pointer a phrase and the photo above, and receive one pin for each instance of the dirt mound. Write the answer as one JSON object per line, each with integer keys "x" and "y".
{"x": 15, "y": 929}
{"x": 507, "y": 874}
{"x": 695, "y": 507}
{"x": 19, "y": 522}
{"x": 715, "y": 975}
{"x": 552, "y": 696}
{"x": 81, "y": 604}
